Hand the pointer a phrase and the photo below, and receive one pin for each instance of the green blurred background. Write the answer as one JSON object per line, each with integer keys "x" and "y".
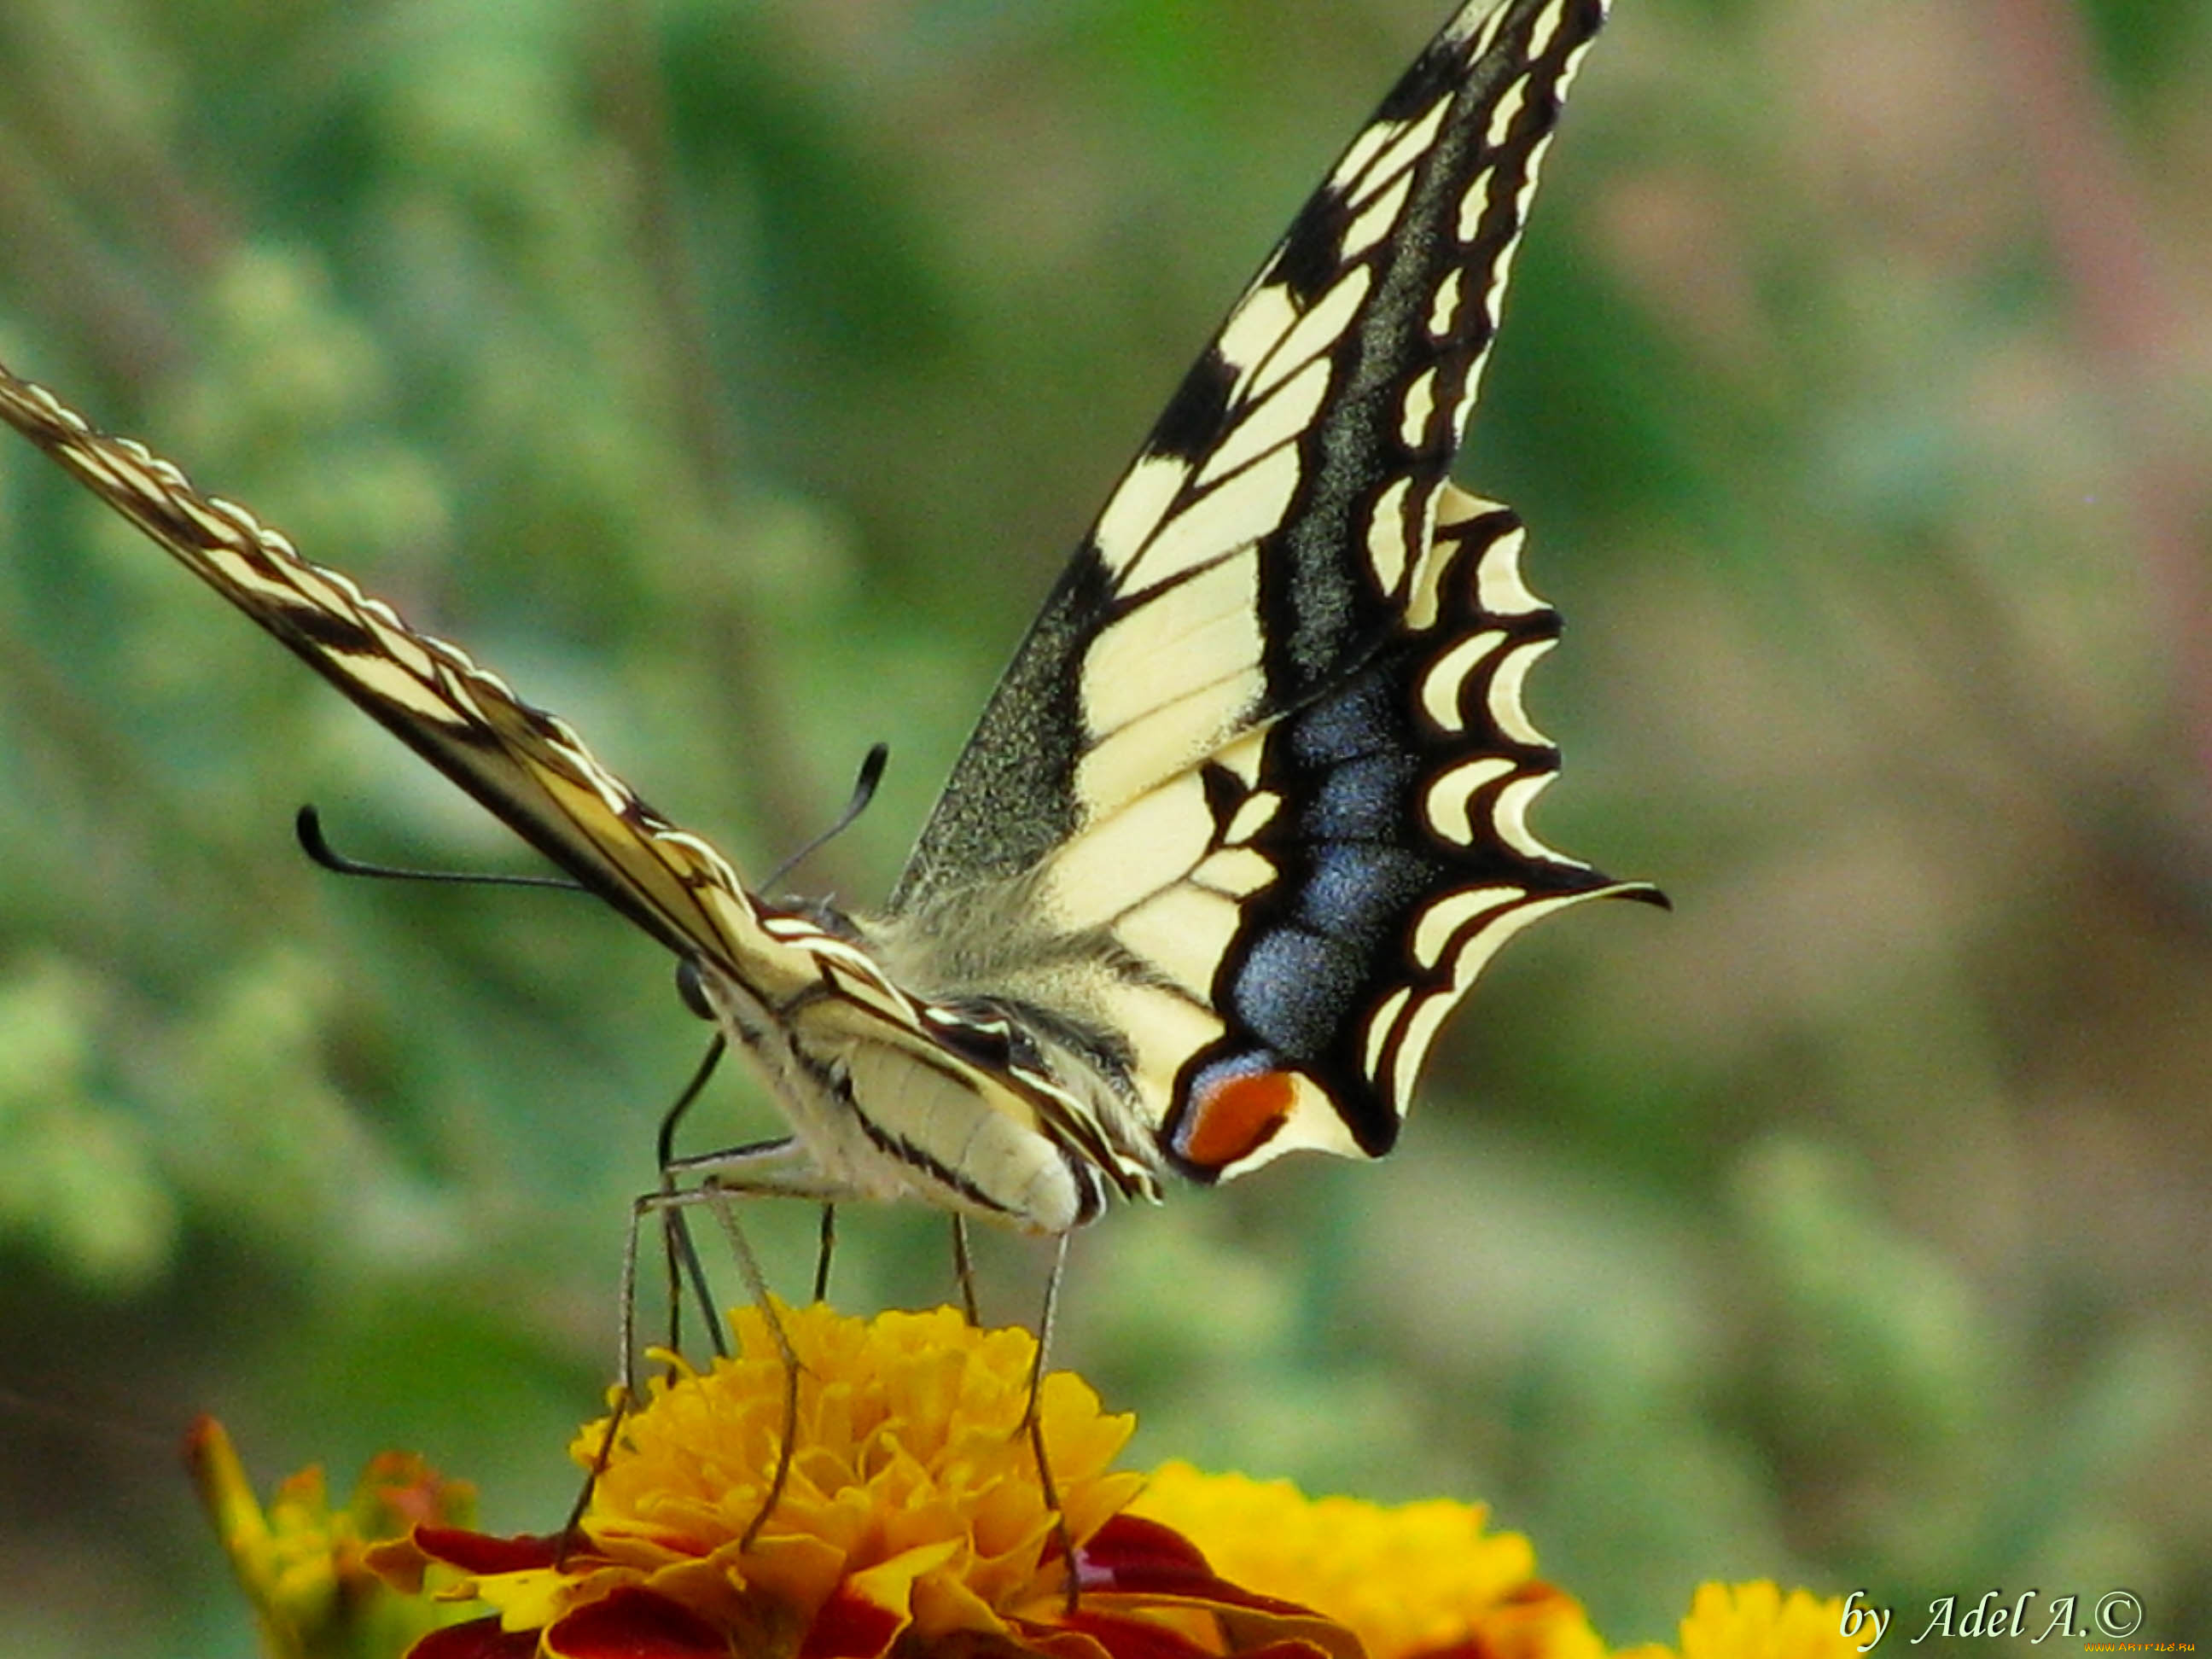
{"x": 733, "y": 378}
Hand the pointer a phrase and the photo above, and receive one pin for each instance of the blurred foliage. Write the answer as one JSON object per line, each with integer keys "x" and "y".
{"x": 733, "y": 376}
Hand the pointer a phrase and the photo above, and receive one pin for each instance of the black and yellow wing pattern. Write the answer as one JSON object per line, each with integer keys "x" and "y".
{"x": 1245, "y": 817}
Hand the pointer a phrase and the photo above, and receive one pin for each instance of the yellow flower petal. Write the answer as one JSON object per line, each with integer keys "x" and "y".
{"x": 1757, "y": 1621}
{"x": 1405, "y": 1580}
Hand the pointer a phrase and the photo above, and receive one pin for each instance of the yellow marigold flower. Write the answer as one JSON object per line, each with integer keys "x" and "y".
{"x": 1757, "y": 1621}
{"x": 915, "y": 1522}
{"x": 1422, "y": 1578}
{"x": 914, "y": 1509}
{"x": 302, "y": 1563}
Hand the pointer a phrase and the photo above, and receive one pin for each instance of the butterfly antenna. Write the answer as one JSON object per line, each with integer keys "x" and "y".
{"x": 864, "y": 791}
{"x": 308, "y": 826}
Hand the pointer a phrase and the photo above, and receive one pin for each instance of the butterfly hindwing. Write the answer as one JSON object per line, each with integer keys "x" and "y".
{"x": 1390, "y": 812}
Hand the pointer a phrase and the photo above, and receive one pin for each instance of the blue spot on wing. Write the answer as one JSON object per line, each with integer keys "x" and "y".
{"x": 1362, "y": 800}
{"x": 1355, "y": 890}
{"x": 1295, "y": 987}
{"x": 1354, "y": 720}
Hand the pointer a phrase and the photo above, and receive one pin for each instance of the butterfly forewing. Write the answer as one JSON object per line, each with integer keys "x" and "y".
{"x": 526, "y": 765}
{"x": 1265, "y": 535}
{"x": 1259, "y": 773}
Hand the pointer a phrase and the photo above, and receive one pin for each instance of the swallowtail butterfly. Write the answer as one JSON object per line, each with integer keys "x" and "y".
{"x": 1248, "y": 812}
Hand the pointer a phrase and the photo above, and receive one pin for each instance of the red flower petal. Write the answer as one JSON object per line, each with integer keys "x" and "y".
{"x": 480, "y": 1638}
{"x": 849, "y": 1627}
{"x": 1129, "y": 1552}
{"x": 1132, "y": 1639}
{"x": 1132, "y": 1556}
{"x": 630, "y": 1623}
{"x": 480, "y": 1553}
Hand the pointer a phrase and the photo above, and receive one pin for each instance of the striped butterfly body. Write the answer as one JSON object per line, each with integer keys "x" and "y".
{"x": 1248, "y": 812}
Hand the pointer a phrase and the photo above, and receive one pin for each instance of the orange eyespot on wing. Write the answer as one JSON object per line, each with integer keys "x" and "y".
{"x": 1230, "y": 1120}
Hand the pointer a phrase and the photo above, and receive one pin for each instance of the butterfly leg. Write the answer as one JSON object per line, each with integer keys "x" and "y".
{"x": 963, "y": 1269}
{"x": 682, "y": 1257}
{"x": 1033, "y": 1419}
{"x": 824, "y": 1251}
{"x": 678, "y": 1244}
{"x": 776, "y": 1168}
